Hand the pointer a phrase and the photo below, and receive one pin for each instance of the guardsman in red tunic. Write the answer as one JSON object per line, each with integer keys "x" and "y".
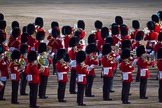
{"x": 115, "y": 35}
{"x": 91, "y": 61}
{"x": 23, "y": 64}
{"x": 54, "y": 24}
{"x": 127, "y": 69}
{"x": 67, "y": 32}
{"x": 159, "y": 43}
{"x": 119, "y": 22}
{"x": 3, "y": 71}
{"x": 14, "y": 43}
{"x": 2, "y": 40}
{"x": 107, "y": 62}
{"x": 159, "y": 65}
{"x": 39, "y": 23}
{"x": 155, "y": 19}
{"x": 73, "y": 43}
{"x": 15, "y": 75}
{"x": 143, "y": 64}
{"x": 138, "y": 38}
{"x": 80, "y": 32}
{"x": 151, "y": 37}
{"x": 124, "y": 32}
{"x": 54, "y": 44}
{"x": 15, "y": 24}
{"x": 136, "y": 27}
{"x": 82, "y": 72}
{"x": 31, "y": 39}
{"x": 98, "y": 25}
{"x": 40, "y": 38}
{"x": 33, "y": 78}
{"x": 62, "y": 68}
{"x": 43, "y": 65}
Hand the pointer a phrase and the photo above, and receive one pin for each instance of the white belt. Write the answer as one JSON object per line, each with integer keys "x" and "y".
{"x": 145, "y": 69}
{"x": 127, "y": 72}
{"x": 107, "y": 68}
{"x": 152, "y": 41}
{"x": 62, "y": 72}
{"x": 81, "y": 75}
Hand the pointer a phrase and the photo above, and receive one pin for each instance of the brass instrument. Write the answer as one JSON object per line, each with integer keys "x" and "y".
{"x": 43, "y": 61}
{"x": 8, "y": 55}
{"x": 92, "y": 57}
{"x": 83, "y": 65}
{"x": 22, "y": 63}
{"x": 109, "y": 57}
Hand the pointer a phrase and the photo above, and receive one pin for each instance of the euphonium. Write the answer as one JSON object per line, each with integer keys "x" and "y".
{"x": 22, "y": 63}
{"x": 43, "y": 61}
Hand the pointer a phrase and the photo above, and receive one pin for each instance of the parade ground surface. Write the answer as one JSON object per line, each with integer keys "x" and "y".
{"x": 67, "y": 12}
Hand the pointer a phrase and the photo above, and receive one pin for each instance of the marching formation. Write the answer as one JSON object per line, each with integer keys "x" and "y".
{"x": 26, "y": 55}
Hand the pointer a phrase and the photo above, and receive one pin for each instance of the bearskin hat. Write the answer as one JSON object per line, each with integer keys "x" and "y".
{"x": 16, "y": 32}
{"x": 40, "y": 35}
{"x": 54, "y": 24}
{"x": 24, "y": 29}
{"x": 119, "y": 20}
{"x": 66, "y": 30}
{"x": 135, "y": 24}
{"x": 98, "y": 24}
{"x": 24, "y": 37}
{"x": 109, "y": 40}
{"x": 125, "y": 53}
{"x": 55, "y": 32}
{"x": 39, "y": 21}
{"x": 61, "y": 54}
{"x": 15, "y": 24}
{"x": 78, "y": 33}
{"x": 15, "y": 55}
{"x": 2, "y": 24}
{"x": 124, "y": 30}
{"x": 91, "y": 48}
{"x": 139, "y": 35}
{"x": 30, "y": 29}
{"x": 126, "y": 44}
{"x": 104, "y": 32}
{"x": 114, "y": 29}
{"x": 140, "y": 50}
{"x": 106, "y": 49}
{"x": 160, "y": 14}
{"x": 91, "y": 39}
{"x": 151, "y": 25}
{"x": 23, "y": 49}
{"x": 67, "y": 58}
{"x": 32, "y": 56}
{"x": 2, "y": 36}
{"x": 159, "y": 53}
{"x": 160, "y": 36}
{"x": 42, "y": 48}
{"x": 74, "y": 41}
{"x": 1, "y": 49}
{"x": 155, "y": 18}
{"x": 80, "y": 56}
{"x": 81, "y": 24}
{"x": 1, "y": 16}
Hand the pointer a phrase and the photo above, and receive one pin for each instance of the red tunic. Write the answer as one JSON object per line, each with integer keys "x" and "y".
{"x": 14, "y": 43}
{"x": 14, "y": 71}
{"x": 133, "y": 34}
{"x": 107, "y": 66}
{"x": 100, "y": 44}
{"x": 127, "y": 70}
{"x": 31, "y": 42}
{"x": 72, "y": 56}
{"x": 81, "y": 74}
{"x": 55, "y": 44}
{"x": 143, "y": 66}
{"x": 4, "y": 68}
{"x": 157, "y": 28}
{"x": 159, "y": 65}
{"x": 116, "y": 39}
{"x": 66, "y": 42}
{"x": 90, "y": 62}
{"x": 62, "y": 72}
{"x": 157, "y": 46}
{"x": 34, "y": 71}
